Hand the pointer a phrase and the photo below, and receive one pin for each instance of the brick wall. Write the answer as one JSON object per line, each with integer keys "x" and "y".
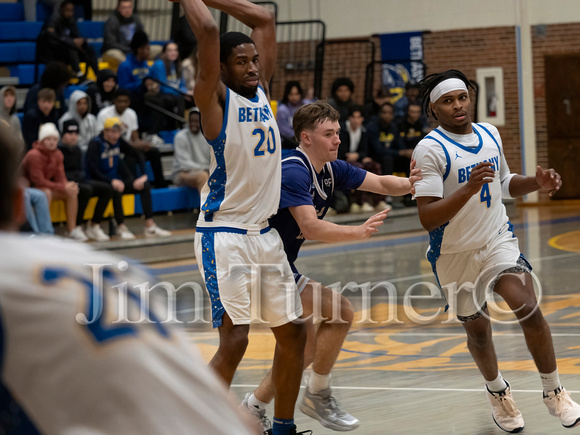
{"x": 549, "y": 40}
{"x": 342, "y": 58}
{"x": 467, "y": 50}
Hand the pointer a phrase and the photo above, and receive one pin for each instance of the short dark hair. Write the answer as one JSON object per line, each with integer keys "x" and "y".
{"x": 341, "y": 81}
{"x": 386, "y": 103}
{"x": 120, "y": 92}
{"x": 229, "y": 41}
{"x": 64, "y": 3}
{"x": 11, "y": 152}
{"x": 356, "y": 108}
{"x": 47, "y": 94}
{"x": 140, "y": 39}
{"x": 123, "y": 1}
{"x": 310, "y": 115}
{"x": 428, "y": 84}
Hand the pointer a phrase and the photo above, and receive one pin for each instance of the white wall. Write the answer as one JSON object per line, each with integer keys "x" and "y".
{"x": 355, "y": 18}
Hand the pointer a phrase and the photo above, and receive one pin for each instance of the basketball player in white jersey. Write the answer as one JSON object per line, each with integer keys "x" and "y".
{"x": 472, "y": 246}
{"x": 234, "y": 243}
{"x": 67, "y": 366}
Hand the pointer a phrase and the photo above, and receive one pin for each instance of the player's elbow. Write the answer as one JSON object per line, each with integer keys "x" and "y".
{"x": 265, "y": 17}
{"x": 208, "y": 30}
{"x": 426, "y": 222}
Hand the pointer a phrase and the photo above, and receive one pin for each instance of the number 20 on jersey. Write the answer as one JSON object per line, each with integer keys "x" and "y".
{"x": 266, "y": 142}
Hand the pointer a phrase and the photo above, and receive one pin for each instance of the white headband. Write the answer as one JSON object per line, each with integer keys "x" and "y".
{"x": 446, "y": 86}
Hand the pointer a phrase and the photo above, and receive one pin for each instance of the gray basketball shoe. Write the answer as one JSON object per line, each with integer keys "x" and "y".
{"x": 324, "y": 408}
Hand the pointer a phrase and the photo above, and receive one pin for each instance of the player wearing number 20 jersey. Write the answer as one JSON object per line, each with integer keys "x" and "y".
{"x": 244, "y": 184}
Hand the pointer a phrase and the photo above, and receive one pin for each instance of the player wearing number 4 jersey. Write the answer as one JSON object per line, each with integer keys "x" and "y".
{"x": 233, "y": 241}
{"x": 472, "y": 247}
{"x": 71, "y": 361}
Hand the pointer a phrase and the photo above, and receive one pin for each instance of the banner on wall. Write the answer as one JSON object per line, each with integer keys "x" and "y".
{"x": 402, "y": 58}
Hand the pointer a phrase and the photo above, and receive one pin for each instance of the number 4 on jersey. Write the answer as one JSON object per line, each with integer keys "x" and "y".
{"x": 485, "y": 195}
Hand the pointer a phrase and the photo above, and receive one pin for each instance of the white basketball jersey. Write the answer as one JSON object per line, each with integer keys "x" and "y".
{"x": 244, "y": 185}
{"x": 100, "y": 376}
{"x": 446, "y": 161}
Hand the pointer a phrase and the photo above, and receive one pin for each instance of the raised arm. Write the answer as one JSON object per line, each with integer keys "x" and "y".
{"x": 263, "y": 25}
{"x": 313, "y": 228}
{"x": 209, "y": 91}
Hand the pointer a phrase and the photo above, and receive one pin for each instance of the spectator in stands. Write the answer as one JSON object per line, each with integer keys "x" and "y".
{"x": 134, "y": 71}
{"x": 44, "y": 168}
{"x": 168, "y": 70}
{"x": 65, "y": 43}
{"x": 354, "y": 148}
{"x": 134, "y": 74}
{"x": 372, "y": 109}
{"x": 411, "y": 96}
{"x": 73, "y": 168}
{"x": 8, "y": 109}
{"x": 30, "y": 8}
{"x": 190, "y": 68}
{"x": 118, "y": 34}
{"x": 120, "y": 109}
{"x": 79, "y": 109}
{"x": 101, "y": 92}
{"x": 106, "y": 164}
{"x": 412, "y": 130}
{"x": 37, "y": 211}
{"x": 292, "y": 100}
{"x": 384, "y": 139}
{"x": 41, "y": 114}
{"x": 341, "y": 99}
{"x": 192, "y": 155}
{"x": 56, "y": 76}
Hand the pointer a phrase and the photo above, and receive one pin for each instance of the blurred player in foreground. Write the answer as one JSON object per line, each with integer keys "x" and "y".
{"x": 67, "y": 365}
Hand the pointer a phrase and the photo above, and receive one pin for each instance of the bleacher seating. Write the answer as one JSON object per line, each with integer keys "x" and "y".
{"x": 164, "y": 200}
{"x": 17, "y": 54}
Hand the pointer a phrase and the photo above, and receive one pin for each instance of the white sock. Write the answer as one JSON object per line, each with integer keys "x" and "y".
{"x": 497, "y": 385}
{"x": 254, "y": 403}
{"x": 550, "y": 381}
{"x": 318, "y": 382}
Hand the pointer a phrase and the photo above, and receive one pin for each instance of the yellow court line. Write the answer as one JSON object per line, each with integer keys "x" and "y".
{"x": 569, "y": 241}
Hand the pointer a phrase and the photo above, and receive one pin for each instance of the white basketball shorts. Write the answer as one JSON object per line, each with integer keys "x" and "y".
{"x": 465, "y": 277}
{"x": 247, "y": 275}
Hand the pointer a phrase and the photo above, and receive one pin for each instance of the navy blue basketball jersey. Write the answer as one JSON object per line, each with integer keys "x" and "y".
{"x": 301, "y": 185}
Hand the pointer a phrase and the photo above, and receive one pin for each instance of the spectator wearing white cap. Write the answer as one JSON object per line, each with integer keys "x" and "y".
{"x": 44, "y": 168}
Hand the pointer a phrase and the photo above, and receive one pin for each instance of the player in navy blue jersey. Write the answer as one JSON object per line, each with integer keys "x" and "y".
{"x": 310, "y": 175}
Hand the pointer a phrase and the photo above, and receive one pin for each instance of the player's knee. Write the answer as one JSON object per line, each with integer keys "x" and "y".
{"x": 346, "y": 310}
{"x": 291, "y": 336}
{"x": 479, "y": 339}
{"x": 235, "y": 342}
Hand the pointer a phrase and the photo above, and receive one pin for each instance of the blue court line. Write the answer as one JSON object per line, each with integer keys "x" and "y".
{"x": 424, "y": 238}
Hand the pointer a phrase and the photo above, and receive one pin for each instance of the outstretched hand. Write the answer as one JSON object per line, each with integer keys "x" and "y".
{"x": 373, "y": 223}
{"x": 414, "y": 176}
{"x": 548, "y": 179}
